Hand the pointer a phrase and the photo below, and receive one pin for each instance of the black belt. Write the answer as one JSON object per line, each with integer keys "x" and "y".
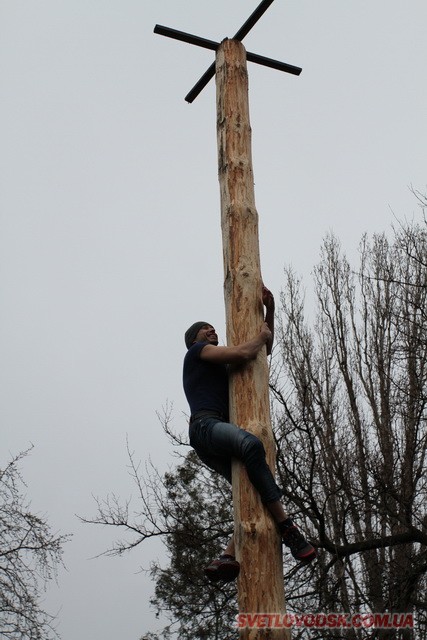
{"x": 206, "y": 414}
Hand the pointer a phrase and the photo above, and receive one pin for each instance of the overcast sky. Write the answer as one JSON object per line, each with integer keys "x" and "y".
{"x": 110, "y": 239}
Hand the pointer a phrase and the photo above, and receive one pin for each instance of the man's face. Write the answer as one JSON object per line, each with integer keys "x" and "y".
{"x": 207, "y": 334}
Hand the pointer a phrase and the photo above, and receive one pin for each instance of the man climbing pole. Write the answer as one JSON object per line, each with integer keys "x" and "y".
{"x": 217, "y": 441}
{"x": 260, "y": 585}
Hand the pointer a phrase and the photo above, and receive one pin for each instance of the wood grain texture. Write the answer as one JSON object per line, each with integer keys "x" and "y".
{"x": 260, "y": 584}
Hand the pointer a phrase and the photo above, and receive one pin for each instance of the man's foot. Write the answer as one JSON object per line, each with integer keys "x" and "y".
{"x": 294, "y": 539}
{"x": 225, "y": 569}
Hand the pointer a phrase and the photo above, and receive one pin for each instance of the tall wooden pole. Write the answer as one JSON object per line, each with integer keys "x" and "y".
{"x": 258, "y": 546}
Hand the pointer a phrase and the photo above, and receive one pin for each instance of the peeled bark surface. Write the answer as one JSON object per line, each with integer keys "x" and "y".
{"x": 258, "y": 546}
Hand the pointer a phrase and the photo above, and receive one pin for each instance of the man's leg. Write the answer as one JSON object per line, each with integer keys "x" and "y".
{"x": 225, "y": 568}
{"x": 291, "y": 535}
{"x": 229, "y": 441}
{"x": 250, "y": 450}
{"x": 217, "y": 443}
{"x": 230, "y": 549}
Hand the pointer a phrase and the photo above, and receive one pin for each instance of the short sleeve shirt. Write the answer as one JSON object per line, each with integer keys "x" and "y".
{"x": 205, "y": 383}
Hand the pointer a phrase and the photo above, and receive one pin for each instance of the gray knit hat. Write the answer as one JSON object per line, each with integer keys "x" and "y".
{"x": 191, "y": 333}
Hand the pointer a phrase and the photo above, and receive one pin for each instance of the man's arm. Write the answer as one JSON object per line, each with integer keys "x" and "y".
{"x": 240, "y": 353}
{"x": 268, "y": 301}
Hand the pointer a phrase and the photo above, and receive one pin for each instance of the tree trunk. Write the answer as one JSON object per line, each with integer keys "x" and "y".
{"x": 258, "y": 546}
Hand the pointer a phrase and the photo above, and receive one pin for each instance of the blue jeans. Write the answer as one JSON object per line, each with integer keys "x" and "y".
{"x": 217, "y": 442}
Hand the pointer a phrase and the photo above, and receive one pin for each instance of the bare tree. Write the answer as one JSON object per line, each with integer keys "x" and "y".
{"x": 29, "y": 556}
{"x": 191, "y": 510}
{"x": 351, "y": 425}
{"x": 349, "y": 395}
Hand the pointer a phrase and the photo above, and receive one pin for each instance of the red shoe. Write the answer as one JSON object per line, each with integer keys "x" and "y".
{"x": 300, "y": 548}
{"x": 225, "y": 569}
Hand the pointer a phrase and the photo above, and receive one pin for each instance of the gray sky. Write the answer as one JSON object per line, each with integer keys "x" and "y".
{"x": 110, "y": 241}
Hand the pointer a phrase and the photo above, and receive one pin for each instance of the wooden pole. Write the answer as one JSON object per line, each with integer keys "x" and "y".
{"x": 258, "y": 546}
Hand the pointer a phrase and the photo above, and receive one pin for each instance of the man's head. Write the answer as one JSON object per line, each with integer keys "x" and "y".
{"x": 200, "y": 332}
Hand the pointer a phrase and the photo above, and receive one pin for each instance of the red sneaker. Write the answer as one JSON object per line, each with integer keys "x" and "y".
{"x": 225, "y": 569}
{"x": 300, "y": 548}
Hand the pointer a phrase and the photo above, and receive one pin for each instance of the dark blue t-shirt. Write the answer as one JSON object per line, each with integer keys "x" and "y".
{"x": 205, "y": 383}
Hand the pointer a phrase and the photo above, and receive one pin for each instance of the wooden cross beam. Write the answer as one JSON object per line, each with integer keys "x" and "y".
{"x": 258, "y": 544}
{"x": 210, "y": 44}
